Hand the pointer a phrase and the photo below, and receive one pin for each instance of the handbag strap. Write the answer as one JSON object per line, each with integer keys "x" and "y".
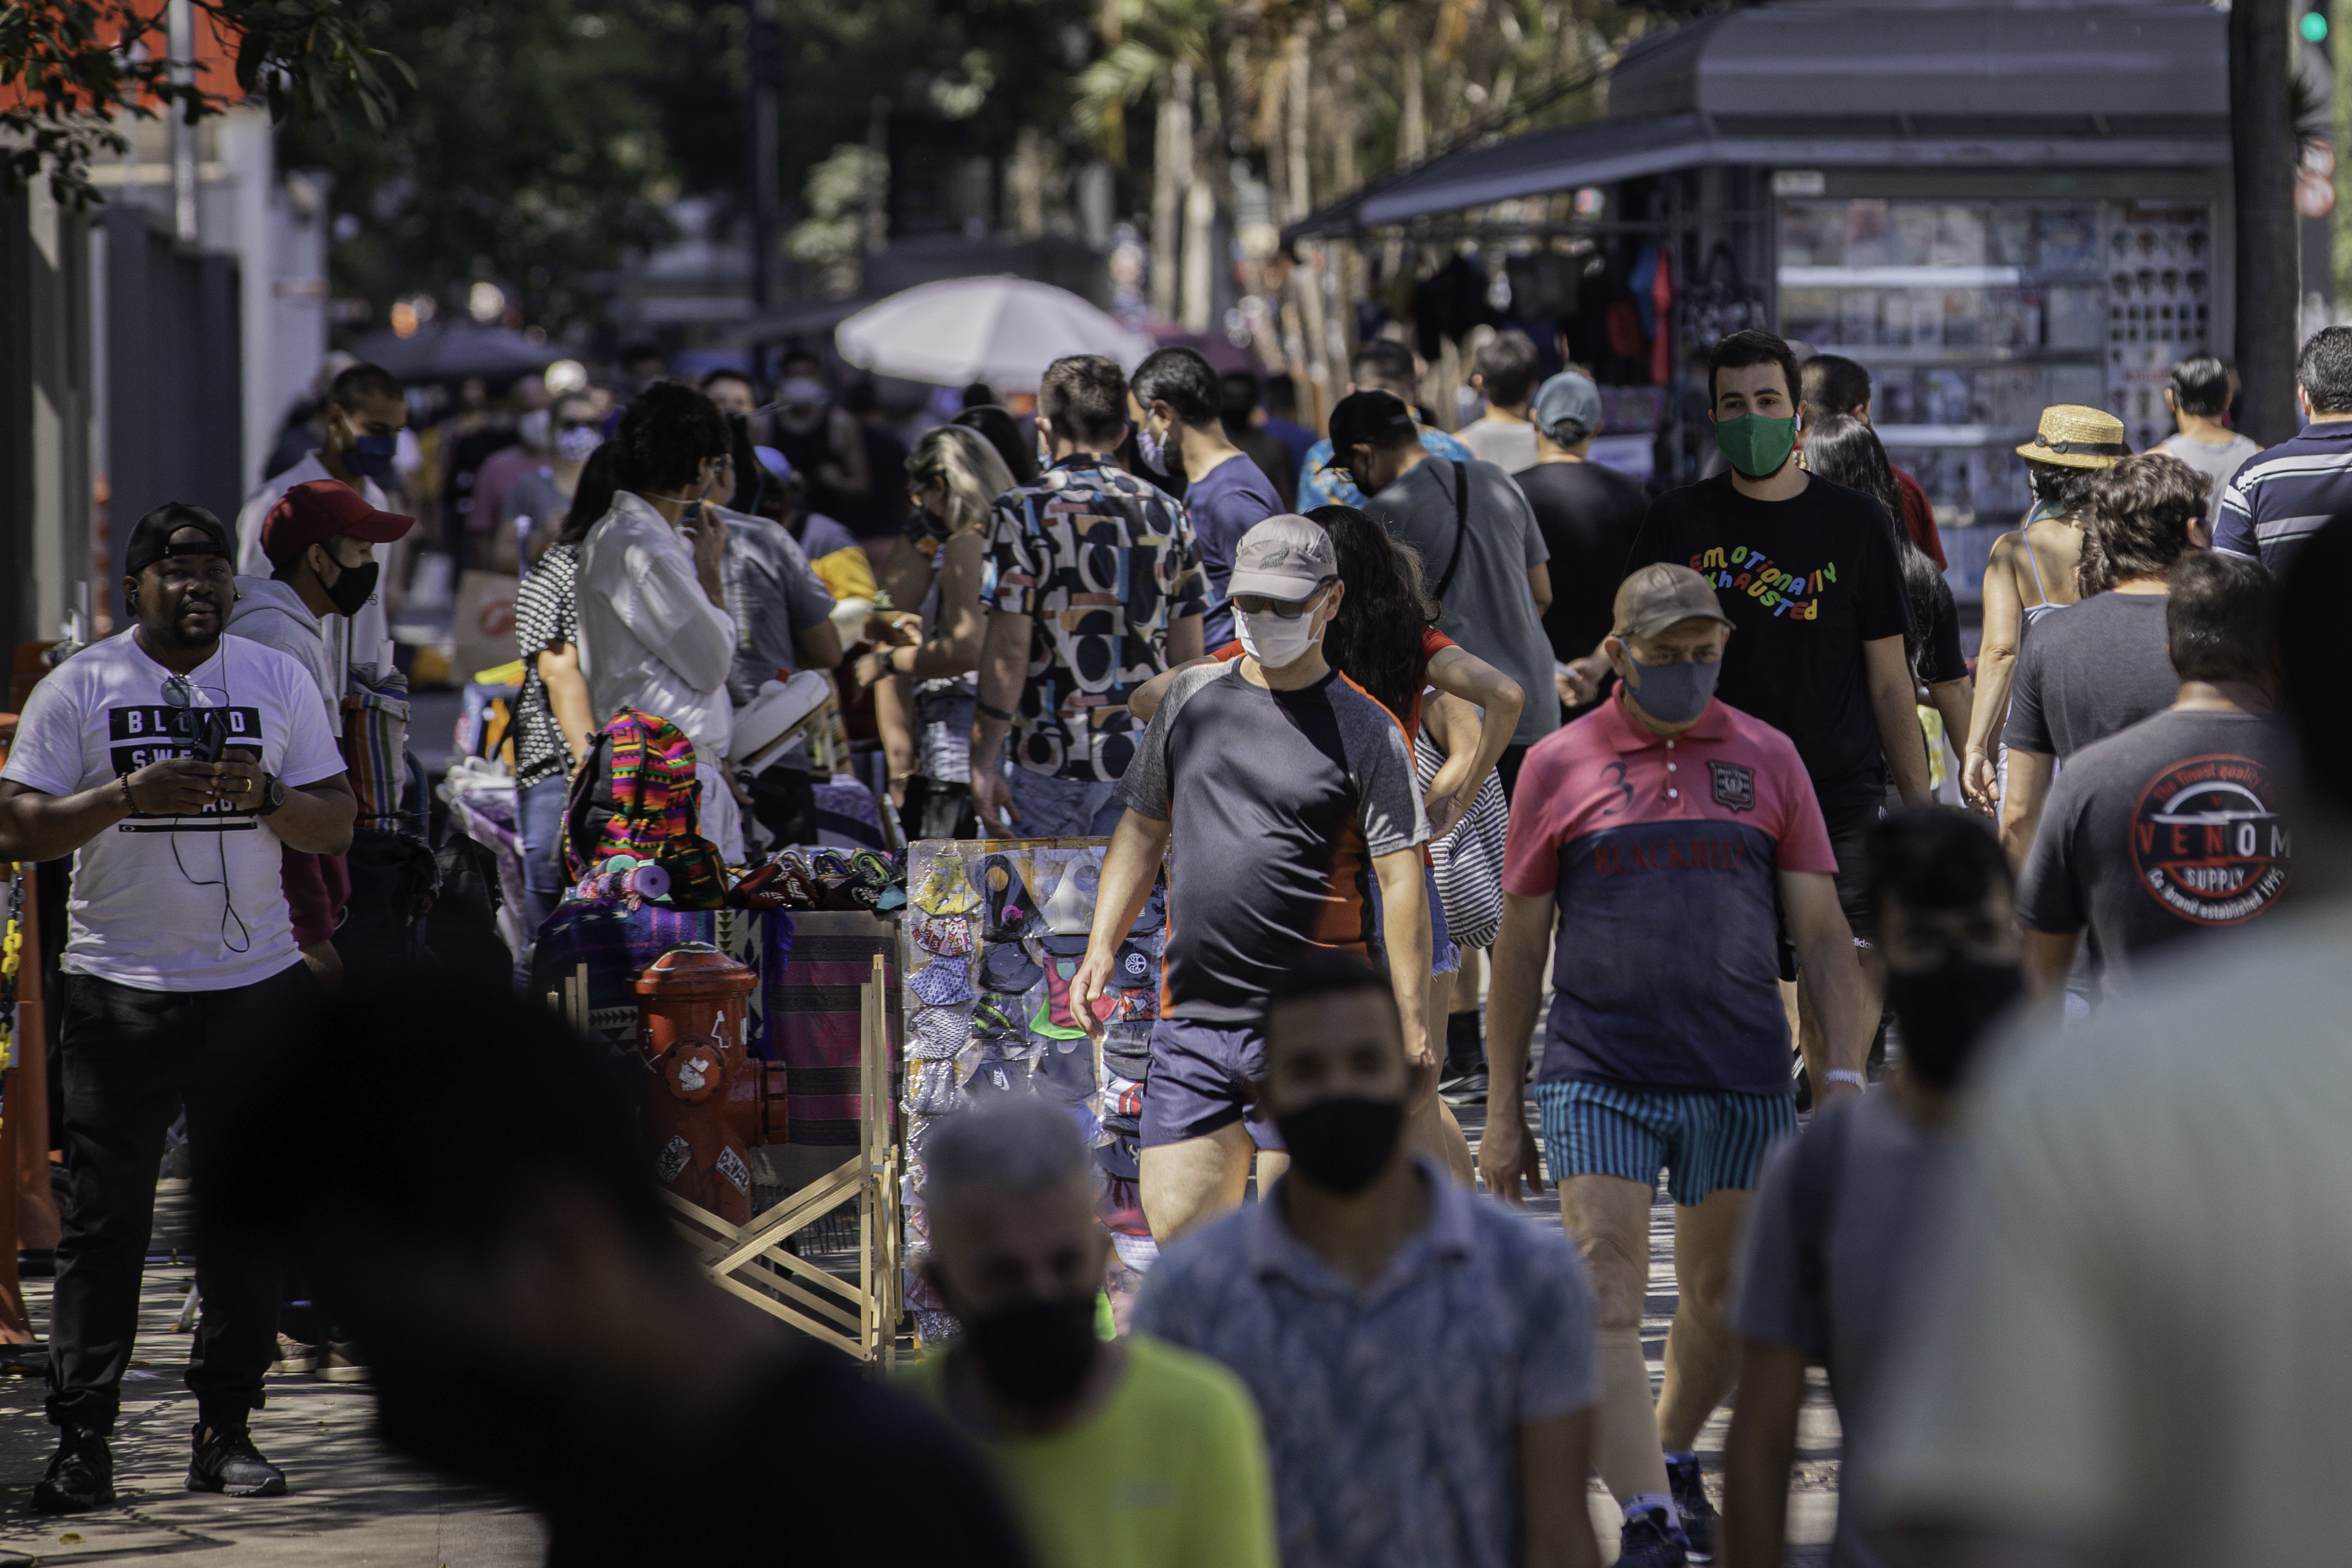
{"x": 1461, "y": 526}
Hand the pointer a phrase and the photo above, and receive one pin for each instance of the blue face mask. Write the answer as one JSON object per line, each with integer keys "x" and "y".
{"x": 369, "y": 456}
{"x": 1675, "y": 694}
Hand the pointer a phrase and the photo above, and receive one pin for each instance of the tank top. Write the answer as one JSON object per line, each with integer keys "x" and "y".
{"x": 2032, "y": 614}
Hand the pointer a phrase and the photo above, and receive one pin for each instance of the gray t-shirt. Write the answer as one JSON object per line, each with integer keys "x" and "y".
{"x": 2219, "y": 464}
{"x": 1889, "y": 1186}
{"x": 1488, "y": 609}
{"x": 1278, "y": 803}
{"x": 2089, "y": 670}
{"x": 771, "y": 591}
{"x": 2175, "y": 828}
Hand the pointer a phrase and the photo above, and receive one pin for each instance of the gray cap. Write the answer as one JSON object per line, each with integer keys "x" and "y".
{"x": 1663, "y": 595}
{"x": 1568, "y": 399}
{"x": 1284, "y": 557}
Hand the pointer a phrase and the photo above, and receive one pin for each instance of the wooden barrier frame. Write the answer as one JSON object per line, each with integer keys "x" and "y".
{"x": 860, "y": 1321}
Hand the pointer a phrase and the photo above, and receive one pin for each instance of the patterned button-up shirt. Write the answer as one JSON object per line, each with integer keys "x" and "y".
{"x": 1392, "y": 1411}
{"x": 1105, "y": 564}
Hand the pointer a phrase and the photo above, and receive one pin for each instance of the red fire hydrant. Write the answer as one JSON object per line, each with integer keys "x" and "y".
{"x": 707, "y": 1101}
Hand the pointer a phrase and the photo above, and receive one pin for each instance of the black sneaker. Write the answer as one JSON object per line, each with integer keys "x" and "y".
{"x": 1650, "y": 1539}
{"x": 1683, "y": 1479}
{"x": 228, "y": 1462}
{"x": 1470, "y": 1089}
{"x": 80, "y": 1478}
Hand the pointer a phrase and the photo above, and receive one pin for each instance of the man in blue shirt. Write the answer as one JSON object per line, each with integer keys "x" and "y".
{"x": 1423, "y": 1360}
{"x": 2281, "y": 497}
{"x": 1379, "y": 366}
{"x": 1179, "y": 429}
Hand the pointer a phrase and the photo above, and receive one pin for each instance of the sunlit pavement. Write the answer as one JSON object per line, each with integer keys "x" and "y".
{"x": 348, "y": 1502}
{"x": 351, "y": 1502}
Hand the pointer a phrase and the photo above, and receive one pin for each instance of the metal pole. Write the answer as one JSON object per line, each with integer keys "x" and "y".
{"x": 181, "y": 31}
{"x": 767, "y": 51}
{"x": 2262, "y": 160}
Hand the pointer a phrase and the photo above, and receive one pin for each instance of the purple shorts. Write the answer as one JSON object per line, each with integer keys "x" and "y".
{"x": 1199, "y": 1082}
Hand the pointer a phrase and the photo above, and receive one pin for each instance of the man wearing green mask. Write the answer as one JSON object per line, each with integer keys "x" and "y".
{"x": 1806, "y": 569}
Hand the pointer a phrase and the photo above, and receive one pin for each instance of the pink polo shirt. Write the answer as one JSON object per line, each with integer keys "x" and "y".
{"x": 1662, "y": 855}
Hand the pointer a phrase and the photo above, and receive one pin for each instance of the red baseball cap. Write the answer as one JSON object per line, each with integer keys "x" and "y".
{"x": 313, "y": 513}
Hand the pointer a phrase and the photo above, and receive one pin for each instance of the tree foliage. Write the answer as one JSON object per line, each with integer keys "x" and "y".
{"x": 69, "y": 66}
{"x": 524, "y": 156}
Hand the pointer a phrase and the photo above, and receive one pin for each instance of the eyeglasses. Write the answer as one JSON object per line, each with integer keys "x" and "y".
{"x": 576, "y": 424}
{"x": 181, "y": 692}
{"x": 1280, "y": 608}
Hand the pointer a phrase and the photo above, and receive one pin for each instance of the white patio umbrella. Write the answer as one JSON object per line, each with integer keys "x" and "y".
{"x": 1001, "y": 331}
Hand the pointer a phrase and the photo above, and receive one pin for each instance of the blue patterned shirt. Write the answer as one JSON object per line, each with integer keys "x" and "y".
{"x": 1391, "y": 1412}
{"x": 1318, "y": 488}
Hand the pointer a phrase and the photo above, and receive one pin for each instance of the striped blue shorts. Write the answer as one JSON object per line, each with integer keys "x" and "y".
{"x": 1707, "y": 1139}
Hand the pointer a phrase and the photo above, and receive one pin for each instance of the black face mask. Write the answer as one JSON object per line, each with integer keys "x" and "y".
{"x": 1944, "y": 1010}
{"x": 1340, "y": 1144}
{"x": 1034, "y": 1354}
{"x": 355, "y": 588}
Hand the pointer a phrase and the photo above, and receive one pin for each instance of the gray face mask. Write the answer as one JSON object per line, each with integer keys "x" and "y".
{"x": 1675, "y": 694}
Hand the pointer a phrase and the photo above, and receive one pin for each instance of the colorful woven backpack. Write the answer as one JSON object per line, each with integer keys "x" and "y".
{"x": 635, "y": 793}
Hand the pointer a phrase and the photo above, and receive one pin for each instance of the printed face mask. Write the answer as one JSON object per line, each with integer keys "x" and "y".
{"x": 1675, "y": 694}
{"x": 1152, "y": 449}
{"x": 1757, "y": 446}
{"x": 577, "y": 444}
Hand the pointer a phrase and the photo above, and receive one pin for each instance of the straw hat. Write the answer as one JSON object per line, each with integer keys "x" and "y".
{"x": 2072, "y": 435}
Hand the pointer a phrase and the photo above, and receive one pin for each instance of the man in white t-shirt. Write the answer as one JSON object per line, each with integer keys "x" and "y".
{"x": 364, "y": 415}
{"x": 2199, "y": 397}
{"x": 1506, "y": 374}
{"x": 655, "y": 633}
{"x": 172, "y": 762}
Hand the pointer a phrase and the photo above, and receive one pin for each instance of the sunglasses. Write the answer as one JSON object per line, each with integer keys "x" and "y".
{"x": 576, "y": 424}
{"x": 1280, "y": 608}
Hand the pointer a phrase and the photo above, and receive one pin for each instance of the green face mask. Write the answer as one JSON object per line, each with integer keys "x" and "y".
{"x": 1757, "y": 446}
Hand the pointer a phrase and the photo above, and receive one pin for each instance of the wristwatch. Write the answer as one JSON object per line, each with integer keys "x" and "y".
{"x": 273, "y": 793}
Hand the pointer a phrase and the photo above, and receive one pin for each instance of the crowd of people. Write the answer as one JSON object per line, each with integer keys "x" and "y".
{"x": 1483, "y": 778}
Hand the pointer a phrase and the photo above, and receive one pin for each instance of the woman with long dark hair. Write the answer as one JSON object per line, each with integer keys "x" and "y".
{"x": 1845, "y": 451}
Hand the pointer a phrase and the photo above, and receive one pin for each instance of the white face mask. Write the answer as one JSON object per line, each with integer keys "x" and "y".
{"x": 532, "y": 428}
{"x": 1275, "y": 642}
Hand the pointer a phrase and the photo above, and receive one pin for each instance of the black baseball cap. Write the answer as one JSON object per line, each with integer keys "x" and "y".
{"x": 1361, "y": 418}
{"x": 150, "y": 537}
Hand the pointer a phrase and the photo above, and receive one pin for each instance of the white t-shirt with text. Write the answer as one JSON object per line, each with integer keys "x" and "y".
{"x": 174, "y": 904}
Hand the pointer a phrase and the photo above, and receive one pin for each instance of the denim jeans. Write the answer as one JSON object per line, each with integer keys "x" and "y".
{"x": 539, "y": 824}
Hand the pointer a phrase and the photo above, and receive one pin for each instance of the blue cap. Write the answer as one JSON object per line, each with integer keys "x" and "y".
{"x": 1568, "y": 408}
{"x": 772, "y": 461}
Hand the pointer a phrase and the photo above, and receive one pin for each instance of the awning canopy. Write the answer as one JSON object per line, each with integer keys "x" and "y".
{"x": 1857, "y": 83}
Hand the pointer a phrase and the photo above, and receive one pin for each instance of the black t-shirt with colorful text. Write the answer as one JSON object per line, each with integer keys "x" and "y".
{"x": 1806, "y": 581}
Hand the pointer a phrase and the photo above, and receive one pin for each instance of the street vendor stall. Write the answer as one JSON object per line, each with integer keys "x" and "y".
{"x": 1991, "y": 207}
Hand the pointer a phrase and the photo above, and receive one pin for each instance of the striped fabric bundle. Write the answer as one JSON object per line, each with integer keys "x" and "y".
{"x": 1468, "y": 862}
{"x": 375, "y": 735}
